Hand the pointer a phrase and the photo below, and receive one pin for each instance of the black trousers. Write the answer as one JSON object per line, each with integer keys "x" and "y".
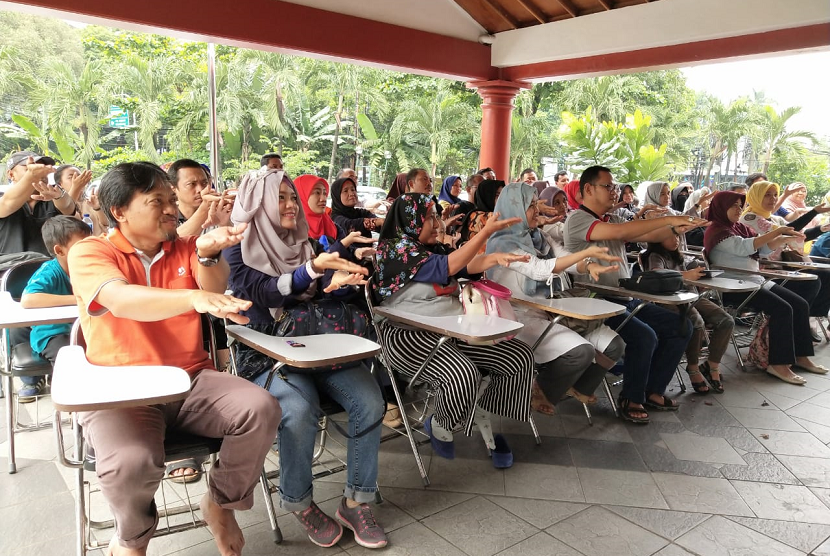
{"x": 789, "y": 321}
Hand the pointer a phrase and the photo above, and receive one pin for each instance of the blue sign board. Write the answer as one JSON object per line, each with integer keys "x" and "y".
{"x": 119, "y": 117}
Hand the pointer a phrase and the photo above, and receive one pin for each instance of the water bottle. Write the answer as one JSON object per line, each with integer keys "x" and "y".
{"x": 88, "y": 221}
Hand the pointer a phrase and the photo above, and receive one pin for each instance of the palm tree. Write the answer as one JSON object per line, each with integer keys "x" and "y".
{"x": 776, "y": 137}
{"x": 428, "y": 125}
{"x": 607, "y": 95}
{"x": 282, "y": 84}
{"x": 74, "y": 105}
{"x": 149, "y": 83}
{"x": 725, "y": 126}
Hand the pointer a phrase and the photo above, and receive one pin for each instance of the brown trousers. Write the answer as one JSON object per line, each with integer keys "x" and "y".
{"x": 129, "y": 448}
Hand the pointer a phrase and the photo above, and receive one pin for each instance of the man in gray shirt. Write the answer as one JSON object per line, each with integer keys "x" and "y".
{"x": 655, "y": 340}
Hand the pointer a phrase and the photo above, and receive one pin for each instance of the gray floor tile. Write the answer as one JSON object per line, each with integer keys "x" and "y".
{"x": 541, "y": 543}
{"x": 692, "y": 447}
{"x": 552, "y": 451}
{"x": 547, "y": 425}
{"x": 599, "y": 531}
{"x": 650, "y": 434}
{"x": 792, "y": 443}
{"x": 822, "y": 399}
{"x": 764, "y": 418}
{"x": 34, "y": 479}
{"x": 760, "y": 467}
{"x": 603, "y": 454}
{"x": 822, "y": 550}
{"x": 822, "y": 432}
{"x": 814, "y": 472}
{"x": 259, "y": 541}
{"x": 603, "y": 429}
{"x": 810, "y": 412}
{"x": 400, "y": 470}
{"x": 783, "y": 502}
{"x": 24, "y": 524}
{"x": 539, "y": 513}
{"x": 480, "y": 527}
{"x": 666, "y": 523}
{"x": 412, "y": 540}
{"x": 699, "y": 413}
{"x": 673, "y": 550}
{"x": 474, "y": 476}
{"x": 543, "y": 482}
{"x": 420, "y": 503}
{"x": 659, "y": 459}
{"x": 803, "y": 536}
{"x": 701, "y": 494}
{"x": 719, "y": 536}
{"x": 623, "y": 488}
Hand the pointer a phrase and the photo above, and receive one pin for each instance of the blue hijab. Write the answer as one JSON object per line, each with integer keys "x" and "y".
{"x": 446, "y": 190}
{"x": 514, "y": 202}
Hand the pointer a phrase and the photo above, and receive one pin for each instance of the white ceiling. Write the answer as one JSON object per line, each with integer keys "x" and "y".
{"x": 443, "y": 17}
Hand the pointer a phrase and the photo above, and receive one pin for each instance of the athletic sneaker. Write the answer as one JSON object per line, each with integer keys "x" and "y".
{"x": 361, "y": 520}
{"x": 29, "y": 392}
{"x": 322, "y": 530}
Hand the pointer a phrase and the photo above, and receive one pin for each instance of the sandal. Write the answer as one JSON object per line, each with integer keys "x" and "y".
{"x": 392, "y": 418}
{"x": 184, "y": 477}
{"x": 627, "y": 412}
{"x": 700, "y": 386}
{"x": 580, "y": 397}
{"x": 667, "y": 404}
{"x": 539, "y": 402}
{"x": 716, "y": 384}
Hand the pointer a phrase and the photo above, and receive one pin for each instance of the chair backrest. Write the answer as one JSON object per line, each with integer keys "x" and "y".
{"x": 15, "y": 279}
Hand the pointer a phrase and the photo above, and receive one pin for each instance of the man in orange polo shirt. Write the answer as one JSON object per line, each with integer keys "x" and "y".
{"x": 140, "y": 290}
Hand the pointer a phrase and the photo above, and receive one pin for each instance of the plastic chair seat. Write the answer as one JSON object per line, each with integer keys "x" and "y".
{"x": 25, "y": 362}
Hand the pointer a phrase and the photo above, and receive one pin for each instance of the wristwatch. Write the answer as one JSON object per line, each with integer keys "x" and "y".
{"x": 208, "y": 261}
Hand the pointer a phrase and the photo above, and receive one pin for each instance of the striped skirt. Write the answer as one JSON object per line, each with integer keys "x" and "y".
{"x": 456, "y": 369}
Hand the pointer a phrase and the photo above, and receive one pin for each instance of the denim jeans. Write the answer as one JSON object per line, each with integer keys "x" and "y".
{"x": 356, "y": 390}
{"x": 654, "y": 346}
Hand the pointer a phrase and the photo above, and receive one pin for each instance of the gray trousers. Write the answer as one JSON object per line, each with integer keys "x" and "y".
{"x": 576, "y": 368}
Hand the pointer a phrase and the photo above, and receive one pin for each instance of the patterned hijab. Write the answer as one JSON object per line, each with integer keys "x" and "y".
{"x": 318, "y": 224}
{"x": 570, "y": 192}
{"x": 337, "y": 206}
{"x": 721, "y": 227}
{"x": 400, "y": 251}
{"x": 485, "y": 197}
{"x": 446, "y": 191}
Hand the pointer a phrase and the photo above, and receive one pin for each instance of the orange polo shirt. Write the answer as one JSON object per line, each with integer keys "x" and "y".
{"x": 113, "y": 341}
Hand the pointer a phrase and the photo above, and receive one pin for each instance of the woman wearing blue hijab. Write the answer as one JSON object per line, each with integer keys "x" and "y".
{"x": 565, "y": 359}
{"x": 450, "y": 190}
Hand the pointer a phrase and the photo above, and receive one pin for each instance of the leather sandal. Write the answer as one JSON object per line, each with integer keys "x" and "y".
{"x": 539, "y": 402}
{"x": 580, "y": 397}
{"x": 700, "y": 386}
{"x": 667, "y": 404}
{"x": 715, "y": 384}
{"x": 627, "y": 412}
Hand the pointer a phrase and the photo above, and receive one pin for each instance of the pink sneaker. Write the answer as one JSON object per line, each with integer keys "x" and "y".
{"x": 361, "y": 520}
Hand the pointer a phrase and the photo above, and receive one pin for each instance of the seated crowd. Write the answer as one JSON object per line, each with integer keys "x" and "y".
{"x": 165, "y": 246}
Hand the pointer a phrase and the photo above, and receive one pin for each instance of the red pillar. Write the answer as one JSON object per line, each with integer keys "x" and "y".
{"x": 496, "y": 119}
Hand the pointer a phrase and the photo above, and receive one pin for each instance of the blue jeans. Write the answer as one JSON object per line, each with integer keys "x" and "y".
{"x": 356, "y": 390}
{"x": 654, "y": 346}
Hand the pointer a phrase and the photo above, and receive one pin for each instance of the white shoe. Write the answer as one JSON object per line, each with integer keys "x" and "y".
{"x": 792, "y": 378}
{"x": 815, "y": 369}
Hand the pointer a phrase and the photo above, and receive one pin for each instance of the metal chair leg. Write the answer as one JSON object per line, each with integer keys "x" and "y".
{"x": 10, "y": 423}
{"x": 269, "y": 507}
{"x": 588, "y": 414}
{"x": 535, "y": 430}
{"x": 680, "y": 380}
{"x": 610, "y": 396}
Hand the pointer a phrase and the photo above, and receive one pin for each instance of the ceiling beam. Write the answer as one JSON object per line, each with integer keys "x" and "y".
{"x": 509, "y": 19}
{"x": 568, "y": 7}
{"x": 679, "y": 55}
{"x": 370, "y": 43}
{"x": 533, "y": 10}
{"x": 605, "y": 4}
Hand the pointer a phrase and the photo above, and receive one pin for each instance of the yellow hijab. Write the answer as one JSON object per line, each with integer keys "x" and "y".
{"x": 755, "y": 198}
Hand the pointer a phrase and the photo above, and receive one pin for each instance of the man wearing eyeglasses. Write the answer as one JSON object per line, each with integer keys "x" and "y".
{"x": 655, "y": 340}
{"x": 29, "y": 202}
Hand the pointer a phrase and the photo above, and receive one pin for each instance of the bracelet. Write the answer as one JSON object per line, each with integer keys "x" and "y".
{"x": 63, "y": 193}
{"x": 587, "y": 261}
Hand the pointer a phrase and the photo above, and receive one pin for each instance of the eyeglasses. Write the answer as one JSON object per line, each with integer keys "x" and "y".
{"x": 610, "y": 187}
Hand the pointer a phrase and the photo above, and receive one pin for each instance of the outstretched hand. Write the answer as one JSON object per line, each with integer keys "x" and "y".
{"x": 494, "y": 224}
{"x": 504, "y": 259}
{"x": 332, "y": 261}
{"x": 46, "y": 192}
{"x": 355, "y": 237}
{"x": 341, "y": 278}
{"x": 220, "y": 305}
{"x": 212, "y": 243}
{"x": 598, "y": 269}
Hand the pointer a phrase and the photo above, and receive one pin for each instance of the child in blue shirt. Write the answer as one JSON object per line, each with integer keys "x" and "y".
{"x": 49, "y": 287}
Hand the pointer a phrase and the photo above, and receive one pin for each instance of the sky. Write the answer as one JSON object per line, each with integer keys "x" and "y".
{"x": 794, "y": 80}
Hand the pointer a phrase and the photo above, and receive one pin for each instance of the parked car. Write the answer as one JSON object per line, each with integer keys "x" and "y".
{"x": 372, "y": 198}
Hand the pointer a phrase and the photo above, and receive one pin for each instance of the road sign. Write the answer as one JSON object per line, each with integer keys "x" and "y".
{"x": 119, "y": 117}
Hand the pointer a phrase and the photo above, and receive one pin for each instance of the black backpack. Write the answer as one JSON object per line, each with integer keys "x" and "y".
{"x": 656, "y": 282}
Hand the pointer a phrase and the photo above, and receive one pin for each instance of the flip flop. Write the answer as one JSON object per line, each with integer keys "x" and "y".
{"x": 189, "y": 463}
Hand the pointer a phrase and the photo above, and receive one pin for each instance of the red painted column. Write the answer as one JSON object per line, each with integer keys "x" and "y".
{"x": 496, "y": 120}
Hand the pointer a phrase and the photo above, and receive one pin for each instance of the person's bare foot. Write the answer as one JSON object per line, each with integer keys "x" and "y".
{"x": 224, "y": 527}
{"x": 115, "y": 549}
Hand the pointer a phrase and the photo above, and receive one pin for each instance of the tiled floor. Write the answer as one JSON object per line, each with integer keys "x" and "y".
{"x": 747, "y": 472}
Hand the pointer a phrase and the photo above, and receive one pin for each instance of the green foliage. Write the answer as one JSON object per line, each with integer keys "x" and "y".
{"x": 811, "y": 169}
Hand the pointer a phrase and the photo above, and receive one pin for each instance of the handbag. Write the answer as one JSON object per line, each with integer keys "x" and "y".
{"x": 581, "y": 327}
{"x": 485, "y": 297}
{"x": 790, "y": 255}
{"x": 657, "y": 282}
{"x": 759, "y": 348}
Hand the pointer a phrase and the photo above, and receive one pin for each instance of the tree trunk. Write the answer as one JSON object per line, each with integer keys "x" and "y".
{"x": 333, "y": 159}
{"x": 728, "y": 161}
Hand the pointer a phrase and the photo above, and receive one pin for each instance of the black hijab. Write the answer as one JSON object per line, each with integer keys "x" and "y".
{"x": 337, "y": 206}
{"x": 485, "y": 197}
